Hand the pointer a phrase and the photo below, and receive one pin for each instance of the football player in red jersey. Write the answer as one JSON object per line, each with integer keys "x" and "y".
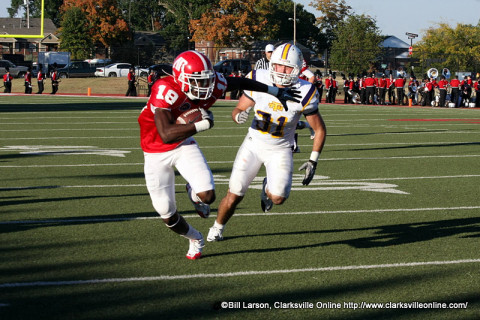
{"x": 194, "y": 84}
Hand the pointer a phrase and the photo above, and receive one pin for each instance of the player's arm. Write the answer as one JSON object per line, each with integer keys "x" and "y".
{"x": 283, "y": 94}
{"x": 170, "y": 132}
{"x": 316, "y": 122}
{"x": 241, "y": 111}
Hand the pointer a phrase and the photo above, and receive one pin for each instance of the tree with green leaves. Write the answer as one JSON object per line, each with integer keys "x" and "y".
{"x": 457, "y": 49}
{"x": 333, "y": 13}
{"x": 50, "y": 9}
{"x": 178, "y": 15}
{"x": 142, "y": 15}
{"x": 356, "y": 46}
{"x": 74, "y": 34}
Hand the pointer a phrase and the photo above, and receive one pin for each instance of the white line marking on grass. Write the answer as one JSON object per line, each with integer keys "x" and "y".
{"x": 255, "y": 214}
{"x": 236, "y": 274}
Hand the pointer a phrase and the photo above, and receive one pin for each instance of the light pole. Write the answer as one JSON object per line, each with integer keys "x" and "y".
{"x": 411, "y": 36}
{"x": 294, "y": 23}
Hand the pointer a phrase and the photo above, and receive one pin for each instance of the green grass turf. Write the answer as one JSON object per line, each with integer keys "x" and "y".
{"x": 392, "y": 202}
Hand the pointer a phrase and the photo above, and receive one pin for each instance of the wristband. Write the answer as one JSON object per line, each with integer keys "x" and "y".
{"x": 314, "y": 156}
{"x": 273, "y": 90}
{"x": 202, "y": 125}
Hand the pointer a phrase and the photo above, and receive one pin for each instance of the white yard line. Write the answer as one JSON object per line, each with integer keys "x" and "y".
{"x": 227, "y": 162}
{"x": 254, "y": 214}
{"x": 236, "y": 274}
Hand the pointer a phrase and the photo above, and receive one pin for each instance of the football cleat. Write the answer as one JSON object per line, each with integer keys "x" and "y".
{"x": 312, "y": 134}
{"x": 195, "y": 249}
{"x": 215, "y": 234}
{"x": 265, "y": 202}
{"x": 203, "y": 209}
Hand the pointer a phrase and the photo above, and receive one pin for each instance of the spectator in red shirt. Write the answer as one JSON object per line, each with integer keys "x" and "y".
{"x": 132, "y": 89}
{"x": 455, "y": 84}
{"x": 7, "y": 81}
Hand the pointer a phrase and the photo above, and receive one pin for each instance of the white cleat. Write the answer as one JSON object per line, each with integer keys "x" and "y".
{"x": 203, "y": 209}
{"x": 195, "y": 249}
{"x": 215, "y": 234}
{"x": 312, "y": 134}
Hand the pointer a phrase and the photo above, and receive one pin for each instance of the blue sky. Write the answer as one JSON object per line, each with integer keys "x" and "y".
{"x": 396, "y": 17}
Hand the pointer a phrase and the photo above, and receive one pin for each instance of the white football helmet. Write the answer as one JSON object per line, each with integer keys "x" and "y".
{"x": 286, "y": 55}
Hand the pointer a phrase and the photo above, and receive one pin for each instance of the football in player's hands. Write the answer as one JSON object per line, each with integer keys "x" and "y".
{"x": 190, "y": 116}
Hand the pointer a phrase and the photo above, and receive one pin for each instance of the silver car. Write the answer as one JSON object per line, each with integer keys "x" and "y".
{"x": 16, "y": 72}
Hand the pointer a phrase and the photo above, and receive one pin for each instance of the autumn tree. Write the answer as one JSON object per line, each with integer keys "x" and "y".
{"x": 457, "y": 49}
{"x": 233, "y": 22}
{"x": 105, "y": 22}
{"x": 74, "y": 34}
{"x": 333, "y": 12}
{"x": 356, "y": 45}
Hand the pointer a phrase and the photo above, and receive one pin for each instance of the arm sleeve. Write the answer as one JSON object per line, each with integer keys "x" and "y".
{"x": 234, "y": 83}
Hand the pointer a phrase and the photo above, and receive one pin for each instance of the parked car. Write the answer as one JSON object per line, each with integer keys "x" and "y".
{"x": 77, "y": 69}
{"x": 228, "y": 66}
{"x": 114, "y": 70}
{"x": 15, "y": 71}
{"x": 163, "y": 69}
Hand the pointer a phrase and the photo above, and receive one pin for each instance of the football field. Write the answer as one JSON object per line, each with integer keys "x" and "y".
{"x": 389, "y": 228}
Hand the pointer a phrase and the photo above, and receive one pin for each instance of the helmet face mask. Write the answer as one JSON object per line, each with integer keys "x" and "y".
{"x": 194, "y": 72}
{"x": 289, "y": 56}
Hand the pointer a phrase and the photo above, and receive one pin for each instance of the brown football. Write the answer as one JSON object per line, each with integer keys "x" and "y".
{"x": 190, "y": 116}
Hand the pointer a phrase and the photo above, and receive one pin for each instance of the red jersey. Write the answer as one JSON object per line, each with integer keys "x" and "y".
{"x": 7, "y": 77}
{"x": 369, "y": 82}
{"x": 477, "y": 86}
{"x": 429, "y": 86}
{"x": 455, "y": 83}
{"x": 166, "y": 94}
{"x": 131, "y": 76}
{"x": 382, "y": 83}
{"x": 28, "y": 77}
{"x": 40, "y": 76}
{"x": 327, "y": 83}
{"x": 399, "y": 82}
{"x": 150, "y": 79}
{"x": 442, "y": 84}
{"x": 54, "y": 76}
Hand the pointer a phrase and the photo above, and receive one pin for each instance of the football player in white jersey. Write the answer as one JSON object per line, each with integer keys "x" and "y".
{"x": 270, "y": 137}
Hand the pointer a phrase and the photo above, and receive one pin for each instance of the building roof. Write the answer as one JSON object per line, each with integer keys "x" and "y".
{"x": 19, "y": 26}
{"x": 394, "y": 42}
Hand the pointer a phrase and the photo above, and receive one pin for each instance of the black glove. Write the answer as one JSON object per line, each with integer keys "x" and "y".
{"x": 288, "y": 94}
{"x": 309, "y": 167}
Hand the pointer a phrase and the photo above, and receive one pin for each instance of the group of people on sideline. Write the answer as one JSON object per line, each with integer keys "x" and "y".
{"x": 431, "y": 91}
{"x": 41, "y": 77}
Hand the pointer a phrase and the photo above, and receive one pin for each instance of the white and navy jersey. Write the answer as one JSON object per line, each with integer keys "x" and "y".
{"x": 272, "y": 124}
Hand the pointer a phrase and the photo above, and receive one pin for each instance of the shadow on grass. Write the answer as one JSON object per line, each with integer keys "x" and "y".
{"x": 385, "y": 236}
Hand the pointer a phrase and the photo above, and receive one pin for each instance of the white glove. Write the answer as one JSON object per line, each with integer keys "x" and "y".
{"x": 206, "y": 122}
{"x": 242, "y": 116}
{"x": 309, "y": 167}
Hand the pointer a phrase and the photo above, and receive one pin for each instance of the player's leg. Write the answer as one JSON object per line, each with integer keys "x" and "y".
{"x": 192, "y": 165}
{"x": 160, "y": 180}
{"x": 244, "y": 170}
{"x": 279, "y": 167}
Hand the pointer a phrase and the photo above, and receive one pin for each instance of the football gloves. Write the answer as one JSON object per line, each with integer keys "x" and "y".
{"x": 288, "y": 94}
{"x": 242, "y": 116}
{"x": 309, "y": 168}
{"x": 206, "y": 122}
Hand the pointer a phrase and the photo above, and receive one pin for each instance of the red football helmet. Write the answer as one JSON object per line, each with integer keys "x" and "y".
{"x": 194, "y": 72}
